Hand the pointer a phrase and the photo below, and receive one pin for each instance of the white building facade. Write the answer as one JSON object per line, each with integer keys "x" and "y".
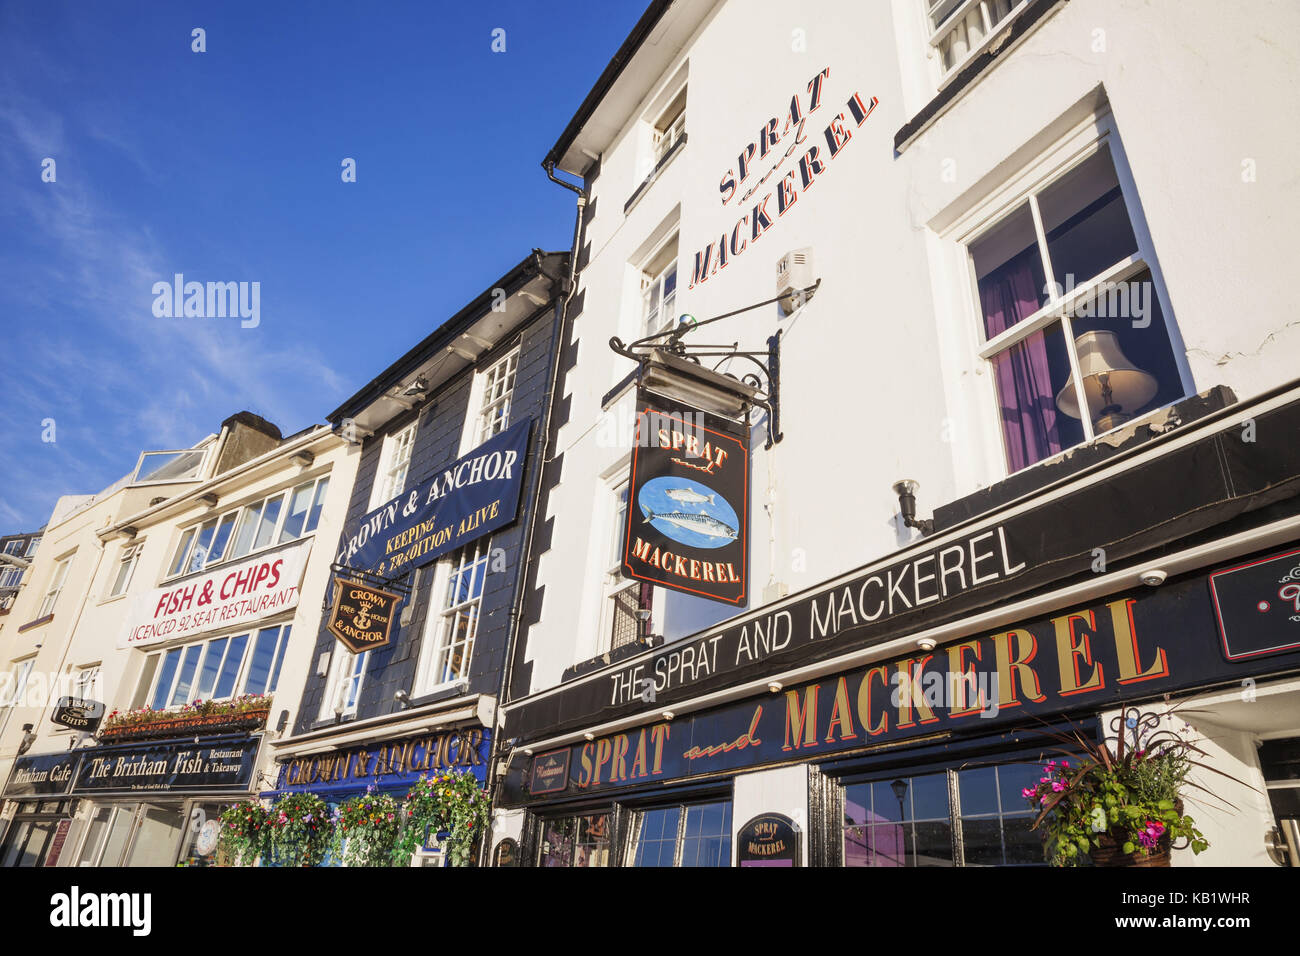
{"x": 146, "y": 651}
{"x": 1011, "y": 212}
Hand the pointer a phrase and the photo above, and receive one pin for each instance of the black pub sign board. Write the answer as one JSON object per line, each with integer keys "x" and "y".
{"x": 215, "y": 764}
{"x": 361, "y": 617}
{"x": 83, "y": 715}
{"x": 687, "y": 523}
{"x": 768, "y": 840}
{"x": 42, "y": 775}
{"x": 1258, "y": 606}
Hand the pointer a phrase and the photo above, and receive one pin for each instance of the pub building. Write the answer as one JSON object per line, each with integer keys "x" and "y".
{"x": 407, "y": 664}
{"x": 1002, "y": 457}
{"x": 166, "y": 621}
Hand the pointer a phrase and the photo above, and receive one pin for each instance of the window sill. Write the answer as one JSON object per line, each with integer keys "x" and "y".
{"x": 36, "y": 623}
{"x": 613, "y": 656}
{"x": 1071, "y": 462}
{"x": 1005, "y": 39}
{"x": 641, "y": 190}
{"x": 112, "y": 598}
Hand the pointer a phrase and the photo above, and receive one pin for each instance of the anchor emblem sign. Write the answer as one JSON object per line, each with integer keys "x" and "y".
{"x": 362, "y": 617}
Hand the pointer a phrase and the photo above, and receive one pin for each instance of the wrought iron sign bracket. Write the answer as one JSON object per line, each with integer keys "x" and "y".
{"x": 370, "y": 579}
{"x": 767, "y": 384}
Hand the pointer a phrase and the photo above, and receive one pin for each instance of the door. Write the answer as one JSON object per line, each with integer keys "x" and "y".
{"x": 157, "y": 832}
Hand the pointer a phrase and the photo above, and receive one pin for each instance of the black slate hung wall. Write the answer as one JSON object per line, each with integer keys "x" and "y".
{"x": 437, "y": 441}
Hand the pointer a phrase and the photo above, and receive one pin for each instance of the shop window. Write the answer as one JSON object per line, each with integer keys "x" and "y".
{"x": 684, "y": 835}
{"x": 156, "y": 837}
{"x": 56, "y": 586}
{"x": 448, "y": 646}
{"x": 106, "y": 836}
{"x": 627, "y": 604}
{"x": 973, "y": 816}
{"x": 576, "y": 841}
{"x": 125, "y": 569}
{"x": 1070, "y": 315}
{"x": 962, "y": 29}
{"x": 394, "y": 463}
{"x": 493, "y": 389}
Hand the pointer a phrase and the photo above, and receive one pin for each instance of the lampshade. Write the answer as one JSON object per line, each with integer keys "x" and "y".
{"x": 1100, "y": 355}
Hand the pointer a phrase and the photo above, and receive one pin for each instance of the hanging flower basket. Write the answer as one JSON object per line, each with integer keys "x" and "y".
{"x": 451, "y": 803}
{"x": 366, "y": 828}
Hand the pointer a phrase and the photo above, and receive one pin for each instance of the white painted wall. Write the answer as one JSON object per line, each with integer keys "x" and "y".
{"x": 881, "y": 380}
{"x": 783, "y": 790}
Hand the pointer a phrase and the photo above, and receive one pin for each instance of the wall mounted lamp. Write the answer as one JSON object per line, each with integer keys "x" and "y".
{"x": 906, "y": 491}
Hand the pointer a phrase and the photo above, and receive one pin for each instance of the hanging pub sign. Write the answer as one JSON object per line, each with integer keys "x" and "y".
{"x": 78, "y": 714}
{"x": 361, "y": 617}
{"x": 1258, "y": 606}
{"x": 687, "y": 523}
{"x": 768, "y": 840}
{"x": 463, "y": 501}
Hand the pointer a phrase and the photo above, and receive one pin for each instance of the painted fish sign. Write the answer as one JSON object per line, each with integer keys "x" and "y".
{"x": 688, "y": 502}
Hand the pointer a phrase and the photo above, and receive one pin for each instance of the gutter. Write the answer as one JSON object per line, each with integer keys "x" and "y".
{"x": 608, "y": 77}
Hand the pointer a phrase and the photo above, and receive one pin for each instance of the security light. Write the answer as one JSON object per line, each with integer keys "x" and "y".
{"x": 906, "y": 491}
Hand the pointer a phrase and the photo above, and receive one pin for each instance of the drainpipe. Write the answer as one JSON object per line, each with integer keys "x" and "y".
{"x": 568, "y": 285}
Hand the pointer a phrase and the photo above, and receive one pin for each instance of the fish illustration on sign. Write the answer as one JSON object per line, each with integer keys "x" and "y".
{"x": 688, "y": 496}
{"x": 699, "y": 523}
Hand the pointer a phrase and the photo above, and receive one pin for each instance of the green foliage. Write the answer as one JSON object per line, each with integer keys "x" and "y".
{"x": 366, "y": 828}
{"x": 450, "y": 802}
{"x": 243, "y": 832}
{"x": 1124, "y": 798}
{"x": 299, "y": 830}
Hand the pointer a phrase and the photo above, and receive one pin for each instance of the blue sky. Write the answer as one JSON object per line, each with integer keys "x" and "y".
{"x": 225, "y": 166}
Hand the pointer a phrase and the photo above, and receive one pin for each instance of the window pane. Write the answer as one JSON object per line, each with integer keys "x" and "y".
{"x": 933, "y": 844}
{"x": 299, "y": 505}
{"x": 178, "y": 560}
{"x": 230, "y": 669}
{"x": 1009, "y": 272}
{"x": 146, "y": 681}
{"x": 1029, "y": 378}
{"x": 248, "y": 522}
{"x": 190, "y": 663}
{"x": 979, "y": 791}
{"x": 211, "y": 664}
{"x": 591, "y": 848}
{"x": 201, "y": 547}
{"x": 930, "y": 797}
{"x": 318, "y": 502}
{"x": 1012, "y": 779}
{"x": 221, "y": 538}
{"x": 266, "y": 526}
{"x": 164, "y": 687}
{"x": 1124, "y": 338}
{"x": 657, "y": 841}
{"x": 1086, "y": 222}
{"x": 1024, "y": 847}
{"x": 982, "y": 838}
{"x": 259, "y": 667}
{"x": 279, "y": 659}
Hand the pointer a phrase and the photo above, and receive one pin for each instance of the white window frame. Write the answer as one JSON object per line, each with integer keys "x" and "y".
{"x": 22, "y": 672}
{"x": 341, "y": 657}
{"x": 239, "y": 686}
{"x": 613, "y": 584}
{"x": 399, "y": 447}
{"x": 252, "y": 511}
{"x": 1075, "y": 147}
{"x": 85, "y": 682}
{"x": 14, "y": 547}
{"x": 32, "y": 545}
{"x": 442, "y": 616}
{"x": 652, "y": 285}
{"x": 11, "y": 571}
{"x": 484, "y": 403}
{"x": 956, "y": 28}
{"x": 669, "y": 128}
{"x": 57, "y": 580}
{"x": 199, "y": 471}
{"x": 124, "y": 569}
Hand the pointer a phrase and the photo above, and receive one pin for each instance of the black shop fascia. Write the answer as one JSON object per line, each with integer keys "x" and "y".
{"x": 996, "y": 623}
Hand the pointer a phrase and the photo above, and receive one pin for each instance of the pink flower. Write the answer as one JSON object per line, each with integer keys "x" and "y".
{"x": 1028, "y": 792}
{"x": 1058, "y": 786}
